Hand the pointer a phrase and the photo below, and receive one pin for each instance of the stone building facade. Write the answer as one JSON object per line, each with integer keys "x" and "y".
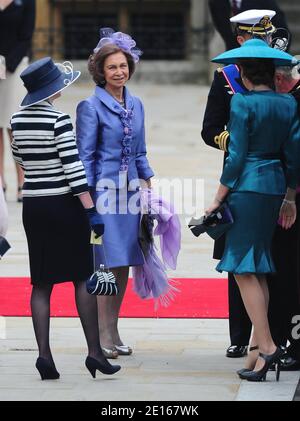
{"x": 173, "y": 34}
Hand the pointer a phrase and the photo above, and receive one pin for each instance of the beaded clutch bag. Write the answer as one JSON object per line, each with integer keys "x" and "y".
{"x": 102, "y": 282}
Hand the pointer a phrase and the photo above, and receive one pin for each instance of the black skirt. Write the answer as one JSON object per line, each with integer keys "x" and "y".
{"x": 58, "y": 237}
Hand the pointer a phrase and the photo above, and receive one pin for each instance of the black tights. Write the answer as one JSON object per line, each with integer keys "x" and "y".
{"x": 87, "y": 309}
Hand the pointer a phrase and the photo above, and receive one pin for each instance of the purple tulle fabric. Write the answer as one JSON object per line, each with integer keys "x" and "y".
{"x": 126, "y": 119}
{"x": 123, "y": 41}
{"x": 150, "y": 279}
{"x": 169, "y": 230}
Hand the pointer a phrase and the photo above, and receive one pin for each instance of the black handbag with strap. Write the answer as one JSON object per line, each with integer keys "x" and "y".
{"x": 102, "y": 281}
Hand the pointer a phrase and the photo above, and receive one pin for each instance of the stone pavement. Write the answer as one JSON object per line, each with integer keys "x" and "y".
{"x": 174, "y": 359}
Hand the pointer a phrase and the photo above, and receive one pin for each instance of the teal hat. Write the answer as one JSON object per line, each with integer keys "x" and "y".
{"x": 256, "y": 48}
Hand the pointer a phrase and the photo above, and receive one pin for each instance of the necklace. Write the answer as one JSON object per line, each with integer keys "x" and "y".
{"x": 121, "y": 102}
{"x": 262, "y": 87}
{"x": 262, "y": 90}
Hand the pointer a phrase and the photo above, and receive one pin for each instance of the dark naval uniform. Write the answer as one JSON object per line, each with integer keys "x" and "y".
{"x": 214, "y": 134}
{"x": 217, "y": 113}
{"x": 284, "y": 286}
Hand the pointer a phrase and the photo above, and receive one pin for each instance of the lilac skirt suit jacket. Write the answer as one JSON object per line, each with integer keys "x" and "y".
{"x": 111, "y": 144}
{"x": 105, "y": 132}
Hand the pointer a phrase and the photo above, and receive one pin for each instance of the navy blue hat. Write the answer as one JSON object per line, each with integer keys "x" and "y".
{"x": 256, "y": 48}
{"x": 44, "y": 78}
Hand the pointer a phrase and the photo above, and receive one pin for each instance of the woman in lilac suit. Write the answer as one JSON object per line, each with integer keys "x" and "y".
{"x": 111, "y": 143}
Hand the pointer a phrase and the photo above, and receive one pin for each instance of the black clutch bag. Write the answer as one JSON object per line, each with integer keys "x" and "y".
{"x": 215, "y": 224}
{"x": 4, "y": 246}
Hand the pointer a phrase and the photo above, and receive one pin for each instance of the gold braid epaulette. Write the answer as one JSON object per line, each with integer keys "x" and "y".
{"x": 222, "y": 140}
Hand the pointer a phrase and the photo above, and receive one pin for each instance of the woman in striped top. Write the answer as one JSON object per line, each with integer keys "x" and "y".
{"x": 58, "y": 211}
{"x": 45, "y": 147}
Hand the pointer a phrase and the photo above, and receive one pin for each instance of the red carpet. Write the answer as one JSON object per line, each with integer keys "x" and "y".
{"x": 198, "y": 298}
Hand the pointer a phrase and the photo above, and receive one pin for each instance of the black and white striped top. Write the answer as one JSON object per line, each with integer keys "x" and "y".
{"x": 45, "y": 147}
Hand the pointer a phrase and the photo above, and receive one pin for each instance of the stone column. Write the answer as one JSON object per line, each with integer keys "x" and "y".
{"x": 41, "y": 24}
{"x": 123, "y": 19}
{"x": 199, "y": 18}
{"x": 46, "y": 41}
{"x": 216, "y": 46}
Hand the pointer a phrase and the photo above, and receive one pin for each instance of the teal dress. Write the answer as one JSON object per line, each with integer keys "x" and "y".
{"x": 264, "y": 135}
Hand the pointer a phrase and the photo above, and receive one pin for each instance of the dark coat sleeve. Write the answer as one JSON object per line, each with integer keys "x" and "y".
{"x": 216, "y": 117}
{"x": 217, "y": 114}
{"x": 24, "y": 37}
{"x": 221, "y": 12}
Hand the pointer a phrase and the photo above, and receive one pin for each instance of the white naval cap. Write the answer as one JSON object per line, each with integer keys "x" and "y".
{"x": 253, "y": 16}
{"x": 257, "y": 21}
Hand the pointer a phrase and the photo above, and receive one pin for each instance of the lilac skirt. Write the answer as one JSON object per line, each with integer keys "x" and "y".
{"x": 120, "y": 246}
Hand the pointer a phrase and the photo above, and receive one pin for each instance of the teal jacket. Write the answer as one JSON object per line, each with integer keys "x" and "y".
{"x": 264, "y": 132}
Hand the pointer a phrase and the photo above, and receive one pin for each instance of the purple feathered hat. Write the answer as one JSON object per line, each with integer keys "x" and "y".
{"x": 121, "y": 40}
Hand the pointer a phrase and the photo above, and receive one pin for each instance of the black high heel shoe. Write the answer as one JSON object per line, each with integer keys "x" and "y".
{"x": 241, "y": 372}
{"x": 46, "y": 369}
{"x": 261, "y": 375}
{"x": 106, "y": 368}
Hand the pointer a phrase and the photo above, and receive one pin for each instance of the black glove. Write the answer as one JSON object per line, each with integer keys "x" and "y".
{"x": 96, "y": 222}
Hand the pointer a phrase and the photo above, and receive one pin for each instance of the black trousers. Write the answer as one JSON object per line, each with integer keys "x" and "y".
{"x": 284, "y": 287}
{"x": 239, "y": 323}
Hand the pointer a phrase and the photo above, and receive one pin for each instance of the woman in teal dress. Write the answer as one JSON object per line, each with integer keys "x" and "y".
{"x": 258, "y": 181}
